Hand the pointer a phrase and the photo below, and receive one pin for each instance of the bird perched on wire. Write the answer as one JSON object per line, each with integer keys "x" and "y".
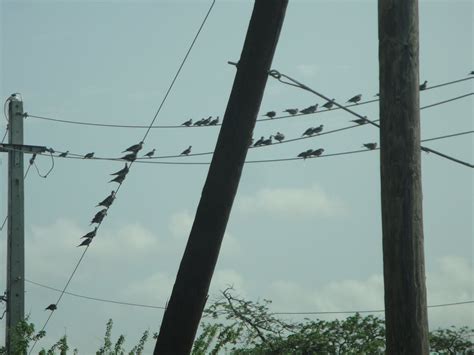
{"x": 423, "y": 86}
{"x": 259, "y": 142}
{"x": 186, "y": 151}
{"x": 64, "y": 154}
{"x": 267, "y": 141}
{"x": 360, "y": 121}
{"x": 308, "y": 132}
{"x": 214, "y": 121}
{"x": 108, "y": 200}
{"x": 123, "y": 171}
{"x": 291, "y": 111}
{"x": 130, "y": 157}
{"x": 150, "y": 153}
{"x": 317, "y": 130}
{"x": 91, "y": 234}
{"x": 355, "y": 99}
{"x": 317, "y": 152}
{"x": 89, "y": 155}
{"x": 51, "y": 307}
{"x": 99, "y": 216}
{"x": 305, "y": 154}
{"x": 309, "y": 109}
{"x": 370, "y": 146}
{"x": 119, "y": 179}
{"x": 134, "y": 148}
{"x": 279, "y": 137}
{"x": 200, "y": 122}
{"x": 329, "y": 104}
{"x": 207, "y": 121}
{"x": 85, "y": 242}
{"x": 187, "y": 123}
{"x": 270, "y": 114}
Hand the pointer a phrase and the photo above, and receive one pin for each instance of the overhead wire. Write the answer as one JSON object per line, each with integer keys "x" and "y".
{"x": 131, "y": 163}
{"x": 134, "y": 304}
{"x": 259, "y": 120}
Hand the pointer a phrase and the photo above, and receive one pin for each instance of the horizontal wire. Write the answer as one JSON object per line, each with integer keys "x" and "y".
{"x": 259, "y": 120}
{"x": 275, "y": 313}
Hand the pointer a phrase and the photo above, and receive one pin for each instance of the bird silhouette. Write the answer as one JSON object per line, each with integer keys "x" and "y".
{"x": 317, "y": 152}
{"x": 308, "y": 132}
{"x": 423, "y": 86}
{"x": 279, "y": 137}
{"x": 99, "y": 216}
{"x": 317, "y": 130}
{"x": 150, "y": 153}
{"x": 329, "y": 104}
{"x": 108, "y": 200}
{"x": 207, "y": 121}
{"x": 89, "y": 155}
{"x": 85, "y": 242}
{"x": 471, "y": 73}
{"x": 291, "y": 111}
{"x": 305, "y": 154}
{"x": 200, "y": 122}
{"x": 309, "y": 109}
{"x": 186, "y": 151}
{"x": 134, "y": 148}
{"x": 51, "y": 307}
{"x": 267, "y": 141}
{"x": 270, "y": 114}
{"x": 123, "y": 171}
{"x": 259, "y": 142}
{"x": 91, "y": 234}
{"x": 360, "y": 121}
{"x": 119, "y": 179}
{"x": 370, "y": 146}
{"x": 64, "y": 155}
{"x": 130, "y": 157}
{"x": 187, "y": 123}
{"x": 214, "y": 121}
{"x": 355, "y": 99}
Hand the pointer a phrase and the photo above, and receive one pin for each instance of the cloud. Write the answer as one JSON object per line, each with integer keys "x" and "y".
{"x": 225, "y": 278}
{"x": 307, "y": 70}
{"x": 293, "y": 202}
{"x": 452, "y": 282}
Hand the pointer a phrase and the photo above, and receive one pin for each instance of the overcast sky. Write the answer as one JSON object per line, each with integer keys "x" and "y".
{"x": 306, "y": 234}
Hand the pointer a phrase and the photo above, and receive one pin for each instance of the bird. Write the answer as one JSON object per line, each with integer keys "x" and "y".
{"x": 130, "y": 157}
{"x": 51, "y": 307}
{"x": 291, "y": 111}
{"x": 317, "y": 130}
{"x": 267, "y": 141}
{"x": 305, "y": 154}
{"x": 377, "y": 95}
{"x": 207, "y": 121}
{"x": 355, "y": 99}
{"x": 270, "y": 114}
{"x": 279, "y": 136}
{"x": 88, "y": 155}
{"x": 64, "y": 155}
{"x": 91, "y": 234}
{"x": 186, "y": 151}
{"x": 259, "y": 142}
{"x": 471, "y": 73}
{"x": 123, "y": 171}
{"x": 360, "y": 121}
{"x": 214, "y": 121}
{"x": 107, "y": 201}
{"x": 187, "y": 123}
{"x": 317, "y": 152}
{"x": 200, "y": 122}
{"x": 370, "y": 146}
{"x": 329, "y": 104}
{"x": 99, "y": 216}
{"x": 423, "y": 86}
{"x": 150, "y": 153}
{"x": 134, "y": 148}
{"x": 309, "y": 109}
{"x": 85, "y": 242}
{"x": 308, "y": 132}
{"x": 119, "y": 178}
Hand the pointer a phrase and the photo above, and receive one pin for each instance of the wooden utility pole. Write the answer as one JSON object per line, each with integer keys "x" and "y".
{"x": 16, "y": 226}
{"x": 188, "y": 298}
{"x": 402, "y": 216}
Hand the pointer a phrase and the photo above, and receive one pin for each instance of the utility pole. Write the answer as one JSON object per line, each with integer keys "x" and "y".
{"x": 16, "y": 227}
{"x": 188, "y": 298}
{"x": 406, "y": 317}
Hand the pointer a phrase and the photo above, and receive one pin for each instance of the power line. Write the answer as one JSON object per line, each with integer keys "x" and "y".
{"x": 275, "y": 313}
{"x": 131, "y": 163}
{"x": 259, "y": 120}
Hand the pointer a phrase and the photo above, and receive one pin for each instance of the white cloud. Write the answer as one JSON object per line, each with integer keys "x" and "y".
{"x": 293, "y": 202}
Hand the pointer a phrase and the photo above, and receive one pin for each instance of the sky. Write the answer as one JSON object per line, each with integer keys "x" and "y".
{"x": 305, "y": 234}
